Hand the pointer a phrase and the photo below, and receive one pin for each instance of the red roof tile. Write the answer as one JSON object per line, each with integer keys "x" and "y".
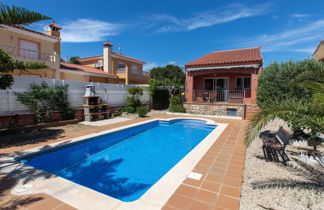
{"x": 81, "y": 68}
{"x": 248, "y": 55}
{"x": 100, "y": 57}
{"x": 107, "y": 44}
{"x": 32, "y": 31}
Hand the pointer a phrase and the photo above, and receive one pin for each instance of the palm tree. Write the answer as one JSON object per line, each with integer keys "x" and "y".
{"x": 307, "y": 115}
{"x": 16, "y": 16}
{"x": 19, "y": 16}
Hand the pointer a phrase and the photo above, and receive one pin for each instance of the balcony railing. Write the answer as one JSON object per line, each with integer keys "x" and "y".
{"x": 141, "y": 73}
{"x": 29, "y": 54}
{"x": 214, "y": 96}
{"x": 121, "y": 70}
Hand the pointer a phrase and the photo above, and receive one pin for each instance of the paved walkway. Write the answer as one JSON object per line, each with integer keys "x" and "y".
{"x": 219, "y": 188}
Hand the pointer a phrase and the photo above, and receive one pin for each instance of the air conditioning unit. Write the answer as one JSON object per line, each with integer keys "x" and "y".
{"x": 99, "y": 64}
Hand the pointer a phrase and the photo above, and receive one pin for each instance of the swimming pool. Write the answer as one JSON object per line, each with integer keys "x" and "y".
{"x": 126, "y": 163}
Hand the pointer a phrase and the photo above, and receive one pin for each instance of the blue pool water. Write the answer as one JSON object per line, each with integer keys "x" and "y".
{"x": 124, "y": 164}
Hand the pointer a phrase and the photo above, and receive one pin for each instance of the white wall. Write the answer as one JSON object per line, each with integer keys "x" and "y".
{"x": 113, "y": 94}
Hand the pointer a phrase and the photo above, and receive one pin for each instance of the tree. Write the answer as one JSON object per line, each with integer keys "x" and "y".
{"x": 170, "y": 77}
{"x": 74, "y": 60}
{"x": 168, "y": 72}
{"x": 16, "y": 16}
{"x": 306, "y": 114}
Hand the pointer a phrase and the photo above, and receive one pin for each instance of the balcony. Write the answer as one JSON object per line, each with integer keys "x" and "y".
{"x": 219, "y": 96}
{"x": 30, "y": 54}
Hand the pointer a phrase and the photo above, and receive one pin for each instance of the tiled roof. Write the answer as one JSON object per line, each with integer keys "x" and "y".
{"x": 248, "y": 55}
{"x": 107, "y": 44}
{"x": 90, "y": 58}
{"x": 127, "y": 57}
{"x": 116, "y": 54}
{"x": 81, "y": 68}
{"x": 32, "y": 31}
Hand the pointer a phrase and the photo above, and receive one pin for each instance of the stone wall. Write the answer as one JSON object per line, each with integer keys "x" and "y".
{"x": 214, "y": 109}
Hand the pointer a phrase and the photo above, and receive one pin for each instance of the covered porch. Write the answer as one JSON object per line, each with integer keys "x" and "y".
{"x": 233, "y": 86}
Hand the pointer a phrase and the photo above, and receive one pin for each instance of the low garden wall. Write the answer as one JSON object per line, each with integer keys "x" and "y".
{"x": 232, "y": 110}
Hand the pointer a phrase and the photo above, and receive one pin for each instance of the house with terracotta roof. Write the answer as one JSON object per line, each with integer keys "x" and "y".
{"x": 319, "y": 52}
{"x": 30, "y": 45}
{"x": 128, "y": 70}
{"x": 223, "y": 82}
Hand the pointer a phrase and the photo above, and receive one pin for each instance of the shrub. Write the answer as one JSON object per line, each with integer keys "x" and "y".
{"x": 277, "y": 82}
{"x": 128, "y": 109}
{"x": 133, "y": 102}
{"x": 160, "y": 99}
{"x": 142, "y": 111}
{"x": 43, "y": 100}
{"x": 175, "y": 101}
{"x": 135, "y": 91}
{"x": 177, "y": 108}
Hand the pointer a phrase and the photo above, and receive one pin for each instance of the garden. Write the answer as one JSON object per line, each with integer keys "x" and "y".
{"x": 290, "y": 95}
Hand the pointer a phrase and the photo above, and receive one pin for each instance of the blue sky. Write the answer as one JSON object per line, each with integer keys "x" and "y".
{"x": 179, "y": 31}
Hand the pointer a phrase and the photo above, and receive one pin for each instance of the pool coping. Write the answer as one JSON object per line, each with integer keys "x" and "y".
{"x": 82, "y": 197}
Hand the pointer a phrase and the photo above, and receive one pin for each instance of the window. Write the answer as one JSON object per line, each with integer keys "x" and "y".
{"x": 134, "y": 68}
{"x": 121, "y": 65}
{"x": 28, "y": 49}
{"x": 243, "y": 83}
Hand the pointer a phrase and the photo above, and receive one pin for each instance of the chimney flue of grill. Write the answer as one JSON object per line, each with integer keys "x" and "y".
{"x": 90, "y": 90}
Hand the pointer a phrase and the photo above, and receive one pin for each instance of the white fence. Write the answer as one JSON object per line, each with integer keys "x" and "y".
{"x": 113, "y": 94}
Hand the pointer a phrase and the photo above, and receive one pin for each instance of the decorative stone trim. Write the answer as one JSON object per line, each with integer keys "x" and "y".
{"x": 214, "y": 109}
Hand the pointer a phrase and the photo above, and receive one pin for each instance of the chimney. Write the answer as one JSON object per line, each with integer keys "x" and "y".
{"x": 54, "y": 30}
{"x": 107, "y": 51}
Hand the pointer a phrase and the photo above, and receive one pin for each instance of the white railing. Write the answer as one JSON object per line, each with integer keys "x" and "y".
{"x": 29, "y": 54}
{"x": 141, "y": 73}
{"x": 214, "y": 96}
{"x": 121, "y": 70}
{"x": 113, "y": 94}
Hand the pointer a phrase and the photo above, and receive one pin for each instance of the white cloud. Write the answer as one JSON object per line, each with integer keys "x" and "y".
{"x": 298, "y": 15}
{"x": 88, "y": 30}
{"x": 169, "y": 23}
{"x": 151, "y": 65}
{"x": 297, "y": 40}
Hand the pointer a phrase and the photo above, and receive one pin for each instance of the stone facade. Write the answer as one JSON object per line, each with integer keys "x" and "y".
{"x": 216, "y": 109}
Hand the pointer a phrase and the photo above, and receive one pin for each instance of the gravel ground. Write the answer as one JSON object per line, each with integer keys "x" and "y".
{"x": 258, "y": 172}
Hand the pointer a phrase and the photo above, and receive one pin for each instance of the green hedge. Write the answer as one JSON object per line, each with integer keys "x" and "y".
{"x": 277, "y": 82}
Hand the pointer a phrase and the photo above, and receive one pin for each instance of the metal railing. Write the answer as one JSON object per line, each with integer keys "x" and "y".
{"x": 214, "y": 96}
{"x": 141, "y": 73}
{"x": 29, "y": 54}
{"x": 121, "y": 70}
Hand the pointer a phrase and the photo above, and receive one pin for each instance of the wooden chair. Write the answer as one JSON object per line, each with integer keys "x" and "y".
{"x": 275, "y": 144}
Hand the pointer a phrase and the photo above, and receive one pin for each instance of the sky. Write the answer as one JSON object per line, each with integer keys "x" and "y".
{"x": 179, "y": 31}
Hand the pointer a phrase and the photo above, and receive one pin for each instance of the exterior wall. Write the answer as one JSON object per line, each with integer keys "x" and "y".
{"x": 41, "y": 73}
{"x": 87, "y": 78}
{"x": 319, "y": 54}
{"x": 129, "y": 77}
{"x": 195, "y": 81}
{"x": 214, "y": 109}
{"x": 11, "y": 39}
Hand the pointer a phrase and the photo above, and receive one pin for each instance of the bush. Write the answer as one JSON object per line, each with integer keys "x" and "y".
{"x": 177, "y": 108}
{"x": 160, "y": 99}
{"x": 277, "y": 82}
{"x": 135, "y": 91}
{"x": 43, "y": 100}
{"x": 175, "y": 101}
{"x": 128, "y": 109}
{"x": 133, "y": 102}
{"x": 142, "y": 111}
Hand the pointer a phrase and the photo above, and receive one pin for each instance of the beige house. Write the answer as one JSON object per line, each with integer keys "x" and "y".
{"x": 29, "y": 45}
{"x": 129, "y": 70}
{"x": 319, "y": 52}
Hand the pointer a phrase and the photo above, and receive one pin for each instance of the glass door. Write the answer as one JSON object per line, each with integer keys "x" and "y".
{"x": 221, "y": 84}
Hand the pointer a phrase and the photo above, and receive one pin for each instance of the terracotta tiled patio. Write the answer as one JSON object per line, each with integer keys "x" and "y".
{"x": 219, "y": 188}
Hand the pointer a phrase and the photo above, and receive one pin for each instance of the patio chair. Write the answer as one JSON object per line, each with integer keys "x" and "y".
{"x": 276, "y": 144}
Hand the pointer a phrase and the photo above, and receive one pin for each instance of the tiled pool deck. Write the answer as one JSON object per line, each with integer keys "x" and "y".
{"x": 219, "y": 187}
